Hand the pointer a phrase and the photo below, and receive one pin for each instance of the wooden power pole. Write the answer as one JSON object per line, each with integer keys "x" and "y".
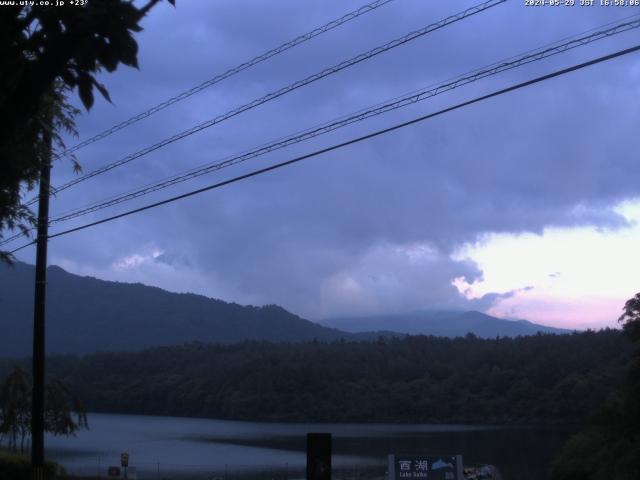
{"x": 37, "y": 402}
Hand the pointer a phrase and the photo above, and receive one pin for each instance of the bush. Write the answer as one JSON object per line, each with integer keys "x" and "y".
{"x": 18, "y": 467}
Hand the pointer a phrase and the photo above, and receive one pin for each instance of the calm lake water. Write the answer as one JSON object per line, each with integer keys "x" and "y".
{"x": 170, "y": 447}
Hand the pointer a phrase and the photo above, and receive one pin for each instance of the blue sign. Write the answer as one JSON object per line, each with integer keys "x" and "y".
{"x": 425, "y": 467}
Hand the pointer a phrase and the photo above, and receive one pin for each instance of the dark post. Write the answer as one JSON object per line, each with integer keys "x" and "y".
{"x": 37, "y": 402}
{"x": 318, "y": 456}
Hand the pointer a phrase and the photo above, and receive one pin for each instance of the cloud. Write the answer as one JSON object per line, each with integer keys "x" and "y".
{"x": 485, "y": 301}
{"x": 149, "y": 255}
{"x": 338, "y": 234}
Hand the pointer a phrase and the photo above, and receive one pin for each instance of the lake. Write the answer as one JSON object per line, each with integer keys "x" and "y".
{"x": 171, "y": 447}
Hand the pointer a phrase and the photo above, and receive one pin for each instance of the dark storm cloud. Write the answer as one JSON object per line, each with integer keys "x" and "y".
{"x": 371, "y": 227}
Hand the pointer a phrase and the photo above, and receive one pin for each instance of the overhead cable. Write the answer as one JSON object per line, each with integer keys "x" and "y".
{"x": 232, "y": 71}
{"x": 316, "y": 153}
{"x": 284, "y": 90}
{"x": 379, "y": 109}
{"x": 548, "y": 50}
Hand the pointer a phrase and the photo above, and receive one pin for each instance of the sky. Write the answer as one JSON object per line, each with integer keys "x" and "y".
{"x": 522, "y": 206}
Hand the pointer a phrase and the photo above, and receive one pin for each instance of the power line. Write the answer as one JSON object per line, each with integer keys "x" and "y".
{"x": 254, "y": 173}
{"x": 284, "y": 90}
{"x": 378, "y": 109}
{"x": 548, "y": 50}
{"x": 232, "y": 71}
{"x": 15, "y": 236}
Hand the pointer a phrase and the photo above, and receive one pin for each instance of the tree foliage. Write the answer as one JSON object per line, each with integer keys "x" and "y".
{"x": 45, "y": 51}
{"x": 63, "y": 413}
{"x": 610, "y": 446}
{"x": 15, "y": 408}
{"x": 630, "y": 318}
{"x": 544, "y": 378}
{"x": 21, "y": 160}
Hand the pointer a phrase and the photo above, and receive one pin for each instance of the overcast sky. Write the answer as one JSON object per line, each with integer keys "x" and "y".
{"x": 523, "y": 206}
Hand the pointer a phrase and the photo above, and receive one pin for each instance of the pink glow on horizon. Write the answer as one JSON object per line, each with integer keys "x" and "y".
{"x": 564, "y": 277}
{"x": 572, "y": 313}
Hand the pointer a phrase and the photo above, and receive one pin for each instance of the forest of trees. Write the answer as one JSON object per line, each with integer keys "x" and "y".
{"x": 543, "y": 378}
{"x": 610, "y": 445}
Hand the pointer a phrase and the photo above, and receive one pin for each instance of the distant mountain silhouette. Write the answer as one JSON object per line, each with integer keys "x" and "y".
{"x": 442, "y": 324}
{"x": 86, "y": 315}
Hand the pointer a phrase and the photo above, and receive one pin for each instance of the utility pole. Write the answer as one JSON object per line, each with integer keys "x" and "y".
{"x": 37, "y": 401}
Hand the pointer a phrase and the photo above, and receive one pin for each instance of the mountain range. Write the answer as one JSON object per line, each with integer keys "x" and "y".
{"x": 442, "y": 323}
{"x": 86, "y": 315}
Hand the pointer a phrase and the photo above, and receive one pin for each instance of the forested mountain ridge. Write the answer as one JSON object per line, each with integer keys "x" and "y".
{"x": 534, "y": 379}
{"x": 85, "y": 315}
